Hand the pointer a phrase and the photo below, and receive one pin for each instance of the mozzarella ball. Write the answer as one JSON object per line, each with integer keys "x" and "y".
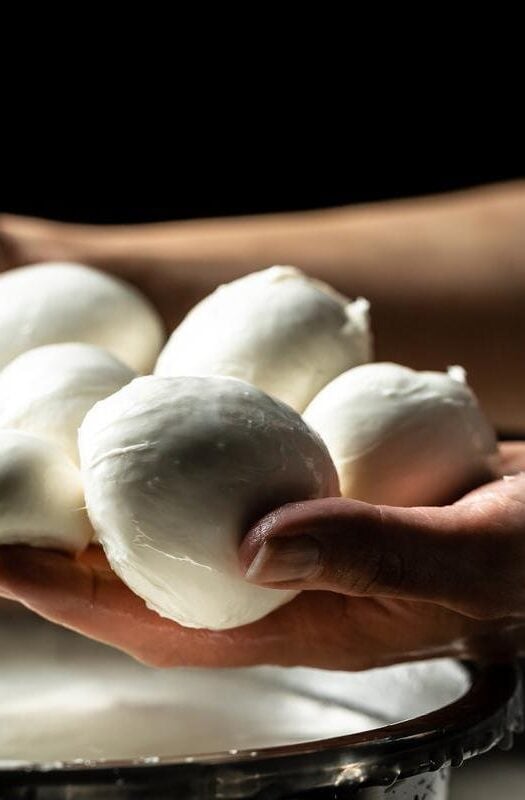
{"x": 279, "y": 330}
{"x": 41, "y": 497}
{"x": 401, "y": 437}
{"x": 176, "y": 470}
{"x": 48, "y": 391}
{"x": 54, "y": 302}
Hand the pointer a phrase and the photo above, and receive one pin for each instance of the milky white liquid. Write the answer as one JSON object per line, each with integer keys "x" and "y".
{"x": 63, "y": 698}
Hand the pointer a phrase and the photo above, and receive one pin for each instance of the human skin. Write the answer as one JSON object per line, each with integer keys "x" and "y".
{"x": 380, "y": 584}
{"x": 392, "y": 585}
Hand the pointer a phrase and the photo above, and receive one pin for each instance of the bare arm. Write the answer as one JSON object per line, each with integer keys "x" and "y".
{"x": 446, "y": 274}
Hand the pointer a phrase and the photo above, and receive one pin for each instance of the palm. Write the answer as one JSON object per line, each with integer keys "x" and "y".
{"x": 320, "y": 629}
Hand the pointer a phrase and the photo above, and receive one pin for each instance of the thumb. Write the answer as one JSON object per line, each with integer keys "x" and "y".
{"x": 358, "y": 549}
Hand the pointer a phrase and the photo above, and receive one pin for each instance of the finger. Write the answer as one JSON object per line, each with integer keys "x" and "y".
{"x": 316, "y": 629}
{"x": 440, "y": 555}
{"x": 97, "y": 604}
{"x": 64, "y": 590}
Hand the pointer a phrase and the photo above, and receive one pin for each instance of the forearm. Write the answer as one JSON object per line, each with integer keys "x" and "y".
{"x": 437, "y": 244}
{"x": 445, "y": 275}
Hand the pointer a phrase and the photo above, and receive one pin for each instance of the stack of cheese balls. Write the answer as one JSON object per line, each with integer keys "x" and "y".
{"x": 263, "y": 395}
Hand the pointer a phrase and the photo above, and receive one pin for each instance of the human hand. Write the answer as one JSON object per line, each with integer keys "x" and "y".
{"x": 459, "y": 594}
{"x": 391, "y": 585}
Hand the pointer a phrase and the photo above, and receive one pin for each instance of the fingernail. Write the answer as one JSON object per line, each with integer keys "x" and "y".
{"x": 280, "y": 560}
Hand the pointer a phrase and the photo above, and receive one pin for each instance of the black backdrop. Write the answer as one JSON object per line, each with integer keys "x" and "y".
{"x": 186, "y": 183}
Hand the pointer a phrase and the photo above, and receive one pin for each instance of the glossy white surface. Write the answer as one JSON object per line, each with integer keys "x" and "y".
{"x": 402, "y": 437}
{"x": 277, "y": 329}
{"x": 65, "y": 302}
{"x": 41, "y": 496}
{"x": 49, "y": 390}
{"x": 175, "y": 470}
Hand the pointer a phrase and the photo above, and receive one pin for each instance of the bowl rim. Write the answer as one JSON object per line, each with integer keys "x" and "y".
{"x": 487, "y": 715}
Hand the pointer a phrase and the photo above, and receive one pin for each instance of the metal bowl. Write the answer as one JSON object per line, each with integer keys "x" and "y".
{"x": 79, "y": 720}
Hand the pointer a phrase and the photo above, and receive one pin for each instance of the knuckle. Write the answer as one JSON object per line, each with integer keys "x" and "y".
{"x": 372, "y": 572}
{"x": 364, "y": 560}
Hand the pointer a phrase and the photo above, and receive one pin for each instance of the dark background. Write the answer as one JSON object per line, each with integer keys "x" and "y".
{"x": 189, "y": 182}
{"x": 301, "y": 119}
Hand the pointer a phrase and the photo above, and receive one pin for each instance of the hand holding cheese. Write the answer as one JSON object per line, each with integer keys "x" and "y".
{"x": 176, "y": 469}
{"x": 377, "y": 583}
{"x": 389, "y": 585}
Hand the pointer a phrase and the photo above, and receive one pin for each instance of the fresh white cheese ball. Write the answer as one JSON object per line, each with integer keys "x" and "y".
{"x": 41, "y": 497}
{"x": 401, "y": 437}
{"x": 54, "y": 302}
{"x": 175, "y": 471}
{"x": 49, "y": 390}
{"x": 277, "y": 329}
